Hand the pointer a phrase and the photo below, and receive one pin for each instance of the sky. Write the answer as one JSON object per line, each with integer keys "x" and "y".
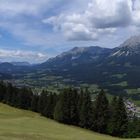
{"x": 35, "y": 30}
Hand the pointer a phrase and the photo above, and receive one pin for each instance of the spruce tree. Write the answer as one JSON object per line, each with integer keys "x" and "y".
{"x": 133, "y": 128}
{"x": 80, "y": 101}
{"x": 8, "y": 94}
{"x": 42, "y": 102}
{"x": 14, "y": 100}
{"x": 2, "y": 90}
{"x": 58, "y": 113}
{"x": 101, "y": 113}
{"x": 74, "y": 97}
{"x": 86, "y": 110}
{"x": 66, "y": 107}
{"x": 50, "y": 105}
{"x": 61, "y": 110}
{"x": 34, "y": 102}
{"x": 112, "y": 118}
{"x": 120, "y": 119}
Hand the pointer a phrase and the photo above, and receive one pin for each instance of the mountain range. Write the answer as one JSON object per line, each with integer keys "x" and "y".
{"x": 116, "y": 69}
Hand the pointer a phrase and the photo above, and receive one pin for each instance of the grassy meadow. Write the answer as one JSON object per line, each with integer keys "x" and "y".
{"x": 16, "y": 124}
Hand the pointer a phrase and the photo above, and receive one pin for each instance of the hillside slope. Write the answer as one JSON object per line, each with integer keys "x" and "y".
{"x": 18, "y": 124}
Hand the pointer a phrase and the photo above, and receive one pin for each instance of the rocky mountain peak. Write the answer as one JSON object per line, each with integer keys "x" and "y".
{"x": 80, "y": 50}
{"x": 129, "y": 48}
{"x": 132, "y": 42}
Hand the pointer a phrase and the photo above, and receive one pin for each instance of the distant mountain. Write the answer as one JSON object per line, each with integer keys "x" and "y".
{"x": 116, "y": 69}
{"x": 5, "y": 66}
{"x": 21, "y": 63}
{"x": 128, "y": 52}
{"x": 126, "y": 55}
{"x": 78, "y": 55}
{"x": 132, "y": 43}
{"x": 130, "y": 47}
{"x": 13, "y": 70}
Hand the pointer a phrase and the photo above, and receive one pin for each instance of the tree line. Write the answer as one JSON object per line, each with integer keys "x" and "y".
{"x": 75, "y": 107}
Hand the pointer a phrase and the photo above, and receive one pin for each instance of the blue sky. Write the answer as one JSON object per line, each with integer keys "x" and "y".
{"x": 35, "y": 30}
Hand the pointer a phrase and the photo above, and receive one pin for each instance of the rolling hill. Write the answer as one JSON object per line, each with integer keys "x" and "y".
{"x": 25, "y": 125}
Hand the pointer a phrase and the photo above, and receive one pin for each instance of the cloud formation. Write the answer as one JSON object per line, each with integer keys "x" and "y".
{"x": 22, "y": 19}
{"x": 19, "y": 55}
{"x": 54, "y": 26}
{"x": 83, "y": 20}
{"x": 23, "y": 7}
{"x": 99, "y": 18}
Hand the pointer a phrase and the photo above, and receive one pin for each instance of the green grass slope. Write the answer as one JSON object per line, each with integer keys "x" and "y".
{"x": 18, "y": 124}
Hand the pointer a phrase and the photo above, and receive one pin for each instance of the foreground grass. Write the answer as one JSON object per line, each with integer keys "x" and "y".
{"x": 18, "y": 124}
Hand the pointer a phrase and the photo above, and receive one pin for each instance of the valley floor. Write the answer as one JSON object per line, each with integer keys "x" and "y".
{"x": 16, "y": 124}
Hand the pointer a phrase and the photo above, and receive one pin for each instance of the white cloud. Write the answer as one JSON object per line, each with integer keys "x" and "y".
{"x": 22, "y": 55}
{"x": 136, "y": 12}
{"x": 22, "y": 19}
{"x": 76, "y": 20}
{"x": 99, "y": 18}
{"x": 26, "y": 7}
{"x": 116, "y": 13}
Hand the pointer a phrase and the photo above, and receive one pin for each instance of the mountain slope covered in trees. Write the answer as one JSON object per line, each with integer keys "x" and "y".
{"x": 117, "y": 69}
{"x": 75, "y": 107}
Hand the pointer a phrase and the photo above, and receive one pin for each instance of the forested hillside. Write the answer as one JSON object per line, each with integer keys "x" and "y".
{"x": 116, "y": 70}
{"x": 75, "y": 107}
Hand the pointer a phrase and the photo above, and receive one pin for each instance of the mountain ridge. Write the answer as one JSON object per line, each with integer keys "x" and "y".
{"x": 110, "y": 68}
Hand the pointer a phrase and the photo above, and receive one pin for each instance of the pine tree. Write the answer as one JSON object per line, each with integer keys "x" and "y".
{"x": 50, "y": 105}
{"x": 2, "y": 90}
{"x": 101, "y": 113}
{"x": 58, "y": 111}
{"x": 8, "y": 94}
{"x": 34, "y": 102}
{"x": 133, "y": 128}
{"x": 120, "y": 119}
{"x": 65, "y": 110}
{"x": 24, "y": 97}
{"x": 42, "y": 102}
{"x": 86, "y": 110}
{"x": 74, "y": 97}
{"x": 80, "y": 100}
{"x": 112, "y": 119}
{"x": 66, "y": 106}
{"x": 14, "y": 100}
{"x": 58, "y": 115}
